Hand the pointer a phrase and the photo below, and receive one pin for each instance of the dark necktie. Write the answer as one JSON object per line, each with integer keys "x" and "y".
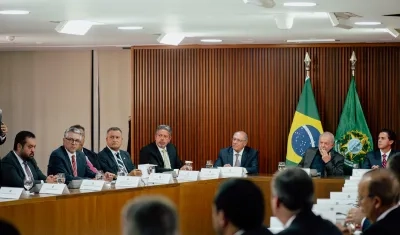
{"x": 384, "y": 160}
{"x": 28, "y": 172}
{"x": 120, "y": 163}
{"x": 74, "y": 169}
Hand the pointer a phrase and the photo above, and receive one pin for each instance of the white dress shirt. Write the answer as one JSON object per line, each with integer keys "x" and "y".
{"x": 384, "y": 214}
{"x": 2, "y": 138}
{"x": 289, "y": 222}
{"x": 240, "y": 156}
{"x": 387, "y": 155}
{"x": 240, "y": 232}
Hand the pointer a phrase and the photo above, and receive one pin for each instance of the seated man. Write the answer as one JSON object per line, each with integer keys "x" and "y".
{"x": 114, "y": 159}
{"x": 379, "y": 158}
{"x": 161, "y": 152}
{"x": 239, "y": 155}
{"x": 292, "y": 195}
{"x": 324, "y": 159}
{"x": 20, "y": 163}
{"x": 150, "y": 216}
{"x": 66, "y": 159}
{"x": 239, "y": 208}
{"x": 91, "y": 157}
{"x": 3, "y": 133}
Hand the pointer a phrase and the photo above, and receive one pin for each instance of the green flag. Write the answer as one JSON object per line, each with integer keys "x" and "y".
{"x": 353, "y": 139}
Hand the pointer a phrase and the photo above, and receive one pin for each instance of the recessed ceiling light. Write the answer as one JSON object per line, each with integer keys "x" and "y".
{"x": 299, "y": 4}
{"x": 171, "y": 38}
{"x": 312, "y": 40}
{"x": 76, "y": 27}
{"x": 211, "y": 40}
{"x": 14, "y": 12}
{"x": 367, "y": 23}
{"x": 130, "y": 27}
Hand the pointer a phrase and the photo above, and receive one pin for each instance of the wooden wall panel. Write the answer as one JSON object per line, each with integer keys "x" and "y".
{"x": 206, "y": 94}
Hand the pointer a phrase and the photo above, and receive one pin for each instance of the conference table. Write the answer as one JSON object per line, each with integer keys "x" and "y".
{"x": 99, "y": 213}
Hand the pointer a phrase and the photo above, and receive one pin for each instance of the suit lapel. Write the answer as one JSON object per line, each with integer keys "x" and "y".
{"x": 157, "y": 153}
{"x": 31, "y": 168}
{"x": 16, "y": 162}
{"x": 378, "y": 157}
{"x": 244, "y": 157}
{"x": 112, "y": 159}
{"x": 230, "y": 156}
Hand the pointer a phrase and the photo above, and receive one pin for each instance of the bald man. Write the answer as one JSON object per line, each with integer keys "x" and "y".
{"x": 239, "y": 155}
{"x": 323, "y": 158}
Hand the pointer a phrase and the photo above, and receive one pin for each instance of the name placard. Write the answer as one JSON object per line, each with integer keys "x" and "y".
{"x": 188, "y": 175}
{"x": 147, "y": 169}
{"x": 307, "y": 170}
{"x": 349, "y": 189}
{"x": 360, "y": 172}
{"x": 93, "y": 185}
{"x": 10, "y": 193}
{"x": 127, "y": 182}
{"x": 160, "y": 178}
{"x": 335, "y": 201}
{"x": 56, "y": 189}
{"x": 232, "y": 172}
{"x": 210, "y": 173}
{"x": 341, "y": 195}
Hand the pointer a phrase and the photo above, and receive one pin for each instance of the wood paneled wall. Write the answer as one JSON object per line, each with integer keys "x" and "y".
{"x": 206, "y": 94}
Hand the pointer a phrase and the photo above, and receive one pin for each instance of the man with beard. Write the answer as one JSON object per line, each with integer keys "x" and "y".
{"x": 20, "y": 163}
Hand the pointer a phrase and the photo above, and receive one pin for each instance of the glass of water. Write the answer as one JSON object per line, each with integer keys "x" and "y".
{"x": 28, "y": 183}
{"x": 209, "y": 164}
{"x": 281, "y": 166}
{"x": 60, "y": 178}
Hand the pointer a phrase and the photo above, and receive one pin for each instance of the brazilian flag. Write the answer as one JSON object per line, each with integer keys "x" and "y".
{"x": 353, "y": 139}
{"x": 306, "y": 126}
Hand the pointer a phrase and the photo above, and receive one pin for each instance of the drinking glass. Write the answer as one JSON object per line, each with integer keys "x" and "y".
{"x": 28, "y": 183}
{"x": 60, "y": 178}
{"x": 189, "y": 165}
{"x": 281, "y": 166}
{"x": 209, "y": 164}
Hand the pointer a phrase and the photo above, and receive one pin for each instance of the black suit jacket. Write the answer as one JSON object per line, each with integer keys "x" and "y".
{"x": 13, "y": 175}
{"x": 374, "y": 158}
{"x": 93, "y": 158}
{"x": 333, "y": 168}
{"x": 259, "y": 231}
{"x": 307, "y": 223}
{"x": 108, "y": 163}
{"x": 249, "y": 159}
{"x": 59, "y": 162}
{"x": 150, "y": 154}
{"x": 386, "y": 226}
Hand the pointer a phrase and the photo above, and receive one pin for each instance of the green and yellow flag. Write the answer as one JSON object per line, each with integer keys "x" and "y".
{"x": 306, "y": 126}
{"x": 353, "y": 138}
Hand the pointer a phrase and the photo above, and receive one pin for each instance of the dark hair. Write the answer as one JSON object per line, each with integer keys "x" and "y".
{"x": 21, "y": 137}
{"x": 150, "y": 216}
{"x": 114, "y": 129}
{"x": 294, "y": 189}
{"x": 394, "y": 165}
{"x": 7, "y": 228}
{"x": 391, "y": 134}
{"x": 242, "y": 203}
{"x": 383, "y": 184}
{"x": 77, "y": 126}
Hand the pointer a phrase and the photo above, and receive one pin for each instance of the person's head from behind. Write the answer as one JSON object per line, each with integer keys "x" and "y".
{"x": 25, "y": 144}
{"x": 378, "y": 191}
{"x": 82, "y": 129}
{"x": 7, "y": 228}
{"x": 163, "y": 135}
{"x": 238, "y": 205}
{"x": 292, "y": 192}
{"x": 150, "y": 216}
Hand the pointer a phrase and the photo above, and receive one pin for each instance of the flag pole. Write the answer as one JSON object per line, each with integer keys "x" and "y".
{"x": 307, "y": 62}
{"x": 353, "y": 60}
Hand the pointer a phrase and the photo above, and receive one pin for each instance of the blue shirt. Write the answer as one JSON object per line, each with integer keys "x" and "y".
{"x": 318, "y": 164}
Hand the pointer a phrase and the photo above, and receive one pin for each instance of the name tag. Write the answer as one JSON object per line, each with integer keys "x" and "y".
{"x": 147, "y": 169}
{"x": 307, "y": 170}
{"x": 210, "y": 173}
{"x": 232, "y": 172}
{"x": 127, "y": 182}
{"x": 56, "y": 189}
{"x": 341, "y": 195}
{"x": 159, "y": 178}
{"x": 10, "y": 193}
{"x": 335, "y": 201}
{"x": 188, "y": 175}
{"x": 360, "y": 172}
{"x": 93, "y": 185}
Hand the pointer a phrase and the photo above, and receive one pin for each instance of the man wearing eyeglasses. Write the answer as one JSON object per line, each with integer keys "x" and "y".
{"x": 66, "y": 159}
{"x": 239, "y": 155}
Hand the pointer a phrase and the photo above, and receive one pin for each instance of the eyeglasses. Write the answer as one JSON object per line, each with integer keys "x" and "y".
{"x": 72, "y": 141}
{"x": 238, "y": 140}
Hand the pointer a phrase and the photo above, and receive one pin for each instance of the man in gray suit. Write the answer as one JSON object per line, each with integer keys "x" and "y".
{"x": 323, "y": 158}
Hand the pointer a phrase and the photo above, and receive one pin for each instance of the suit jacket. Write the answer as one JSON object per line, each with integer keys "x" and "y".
{"x": 386, "y": 226}
{"x": 93, "y": 158}
{"x": 59, "y": 162}
{"x": 365, "y": 225}
{"x": 333, "y": 168}
{"x": 150, "y": 154}
{"x": 307, "y": 223}
{"x": 374, "y": 158}
{"x": 108, "y": 163}
{"x": 13, "y": 175}
{"x": 249, "y": 159}
{"x": 259, "y": 231}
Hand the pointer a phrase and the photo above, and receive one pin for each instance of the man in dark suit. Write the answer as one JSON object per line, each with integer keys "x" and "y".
{"x": 292, "y": 195}
{"x": 239, "y": 208}
{"x": 378, "y": 198}
{"x": 161, "y": 152}
{"x": 239, "y": 155}
{"x": 91, "y": 157}
{"x": 324, "y": 159}
{"x": 379, "y": 158}
{"x": 20, "y": 163}
{"x": 66, "y": 159}
{"x": 3, "y": 133}
{"x": 113, "y": 159}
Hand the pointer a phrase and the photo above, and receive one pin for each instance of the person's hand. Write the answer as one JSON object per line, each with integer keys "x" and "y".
{"x": 185, "y": 168}
{"x": 109, "y": 176}
{"x": 343, "y": 229}
{"x": 4, "y": 129}
{"x": 135, "y": 172}
{"x": 375, "y": 167}
{"x": 51, "y": 179}
{"x": 355, "y": 216}
{"x": 325, "y": 156}
{"x": 227, "y": 165}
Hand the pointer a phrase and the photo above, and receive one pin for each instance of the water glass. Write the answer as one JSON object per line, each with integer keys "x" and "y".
{"x": 356, "y": 166}
{"x": 281, "y": 166}
{"x": 28, "y": 183}
{"x": 209, "y": 164}
{"x": 60, "y": 178}
{"x": 189, "y": 165}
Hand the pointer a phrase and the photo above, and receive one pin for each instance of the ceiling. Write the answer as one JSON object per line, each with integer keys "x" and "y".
{"x": 233, "y": 21}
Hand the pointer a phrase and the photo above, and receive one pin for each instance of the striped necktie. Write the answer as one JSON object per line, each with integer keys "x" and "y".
{"x": 74, "y": 168}
{"x": 120, "y": 162}
{"x": 237, "y": 162}
{"x": 28, "y": 172}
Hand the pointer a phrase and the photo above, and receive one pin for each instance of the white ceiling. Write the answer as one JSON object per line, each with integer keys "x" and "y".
{"x": 230, "y": 20}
